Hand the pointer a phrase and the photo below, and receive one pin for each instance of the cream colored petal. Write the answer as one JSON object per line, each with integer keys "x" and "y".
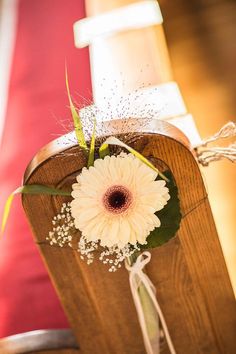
{"x": 87, "y": 207}
{"x": 166, "y": 196}
{"x": 87, "y": 215}
{"x": 124, "y": 231}
{"x": 133, "y": 238}
{"x": 76, "y": 186}
{"x": 135, "y": 224}
{"x": 161, "y": 183}
{"x": 142, "y": 237}
{"x": 114, "y": 170}
{"x": 93, "y": 228}
{"x": 107, "y": 243}
{"x": 75, "y": 193}
{"x": 146, "y": 174}
{"x": 155, "y": 220}
{"x": 115, "y": 229}
{"x": 105, "y": 236}
{"x": 99, "y": 226}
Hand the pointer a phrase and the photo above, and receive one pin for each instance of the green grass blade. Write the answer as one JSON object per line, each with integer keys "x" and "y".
{"x": 29, "y": 189}
{"x": 76, "y": 119}
{"x": 103, "y": 151}
{"x": 92, "y": 146}
{"x": 6, "y": 211}
{"x": 114, "y": 141}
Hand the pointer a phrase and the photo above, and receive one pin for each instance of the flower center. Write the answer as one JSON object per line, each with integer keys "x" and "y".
{"x": 117, "y": 199}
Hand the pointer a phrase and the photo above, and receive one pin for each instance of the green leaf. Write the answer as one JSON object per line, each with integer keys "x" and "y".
{"x": 29, "y": 189}
{"x": 76, "y": 119}
{"x": 114, "y": 141}
{"x": 6, "y": 211}
{"x": 92, "y": 146}
{"x": 103, "y": 150}
{"x": 170, "y": 217}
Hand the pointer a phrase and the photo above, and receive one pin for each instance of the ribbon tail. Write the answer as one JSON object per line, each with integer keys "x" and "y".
{"x": 151, "y": 319}
{"x": 149, "y": 286}
{"x": 147, "y": 316}
{"x": 148, "y": 309}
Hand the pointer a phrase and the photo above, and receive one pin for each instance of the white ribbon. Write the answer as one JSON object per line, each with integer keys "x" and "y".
{"x": 137, "y": 279}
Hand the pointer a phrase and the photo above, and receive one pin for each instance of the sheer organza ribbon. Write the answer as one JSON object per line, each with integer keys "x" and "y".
{"x": 149, "y": 312}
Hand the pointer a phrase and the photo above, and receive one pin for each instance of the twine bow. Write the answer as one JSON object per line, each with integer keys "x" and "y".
{"x": 206, "y": 154}
{"x": 144, "y": 292}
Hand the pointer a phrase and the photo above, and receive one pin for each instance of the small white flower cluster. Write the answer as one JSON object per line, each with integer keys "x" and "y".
{"x": 120, "y": 255}
{"x": 86, "y": 249}
{"x": 113, "y": 256}
{"x": 62, "y": 225}
{"x": 61, "y": 235}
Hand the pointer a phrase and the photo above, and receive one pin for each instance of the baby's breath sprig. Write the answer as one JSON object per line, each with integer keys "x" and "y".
{"x": 113, "y": 256}
{"x": 63, "y": 227}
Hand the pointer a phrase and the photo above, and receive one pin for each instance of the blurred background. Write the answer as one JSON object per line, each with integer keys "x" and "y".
{"x": 35, "y": 38}
{"x": 201, "y": 39}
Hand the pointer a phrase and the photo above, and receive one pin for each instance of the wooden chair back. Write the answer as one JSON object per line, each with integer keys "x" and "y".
{"x": 189, "y": 271}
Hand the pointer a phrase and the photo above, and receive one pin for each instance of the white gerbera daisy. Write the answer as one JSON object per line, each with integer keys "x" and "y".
{"x": 115, "y": 201}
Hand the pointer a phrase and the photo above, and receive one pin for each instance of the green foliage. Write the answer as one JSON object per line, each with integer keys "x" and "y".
{"x": 76, "y": 120}
{"x": 170, "y": 217}
{"x": 92, "y": 146}
{"x": 29, "y": 189}
{"x": 104, "y": 150}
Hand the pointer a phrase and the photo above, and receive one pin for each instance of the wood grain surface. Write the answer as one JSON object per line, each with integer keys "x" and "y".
{"x": 58, "y": 351}
{"x": 189, "y": 272}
